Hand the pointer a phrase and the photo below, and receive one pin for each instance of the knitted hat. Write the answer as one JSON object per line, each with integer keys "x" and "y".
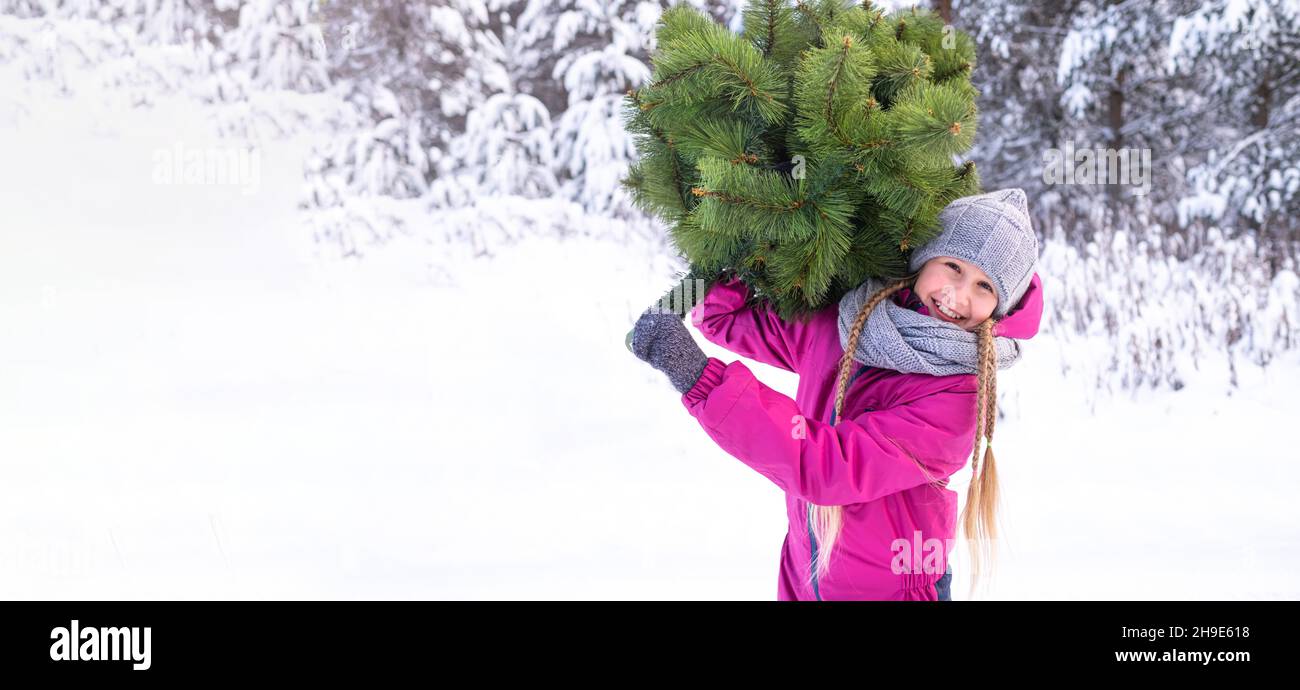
{"x": 993, "y": 232}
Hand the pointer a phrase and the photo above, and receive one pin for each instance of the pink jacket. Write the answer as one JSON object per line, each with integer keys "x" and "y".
{"x": 860, "y": 462}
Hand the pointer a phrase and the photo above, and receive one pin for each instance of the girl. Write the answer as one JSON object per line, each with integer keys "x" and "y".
{"x": 896, "y": 387}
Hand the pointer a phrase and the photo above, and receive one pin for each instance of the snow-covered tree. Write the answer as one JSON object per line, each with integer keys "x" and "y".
{"x": 1116, "y": 95}
{"x": 592, "y": 147}
{"x": 1245, "y": 56}
{"x": 1019, "y": 96}
{"x": 572, "y": 60}
{"x": 277, "y": 42}
{"x": 505, "y": 146}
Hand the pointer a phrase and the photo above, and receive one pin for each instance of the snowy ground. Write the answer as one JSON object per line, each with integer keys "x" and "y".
{"x": 195, "y": 405}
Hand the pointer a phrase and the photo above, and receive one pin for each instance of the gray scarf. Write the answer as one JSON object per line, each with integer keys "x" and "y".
{"x": 903, "y": 340}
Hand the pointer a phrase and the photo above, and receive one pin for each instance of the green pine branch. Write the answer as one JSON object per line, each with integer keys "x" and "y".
{"x": 810, "y": 152}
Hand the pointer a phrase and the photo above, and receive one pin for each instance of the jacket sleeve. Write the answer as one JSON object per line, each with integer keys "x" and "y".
{"x": 723, "y": 318}
{"x": 859, "y": 459}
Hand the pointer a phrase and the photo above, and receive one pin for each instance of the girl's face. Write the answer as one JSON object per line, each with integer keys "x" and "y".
{"x": 965, "y": 293}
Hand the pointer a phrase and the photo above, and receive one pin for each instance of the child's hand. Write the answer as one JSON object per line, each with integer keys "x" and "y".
{"x": 661, "y": 339}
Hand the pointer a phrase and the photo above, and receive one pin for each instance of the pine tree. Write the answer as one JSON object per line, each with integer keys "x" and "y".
{"x": 280, "y": 45}
{"x": 1243, "y": 60}
{"x": 808, "y": 153}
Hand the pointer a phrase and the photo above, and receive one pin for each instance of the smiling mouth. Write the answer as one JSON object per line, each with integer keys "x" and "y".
{"x": 949, "y": 314}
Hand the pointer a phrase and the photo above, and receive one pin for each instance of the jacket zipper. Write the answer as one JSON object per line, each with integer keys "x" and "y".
{"x": 812, "y": 538}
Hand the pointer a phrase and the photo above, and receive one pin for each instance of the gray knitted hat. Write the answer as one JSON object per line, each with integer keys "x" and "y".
{"x": 993, "y": 232}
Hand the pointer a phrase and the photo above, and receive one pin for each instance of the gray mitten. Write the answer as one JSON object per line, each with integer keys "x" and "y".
{"x": 661, "y": 339}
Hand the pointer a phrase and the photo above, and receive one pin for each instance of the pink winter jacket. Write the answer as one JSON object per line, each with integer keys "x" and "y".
{"x": 861, "y": 462}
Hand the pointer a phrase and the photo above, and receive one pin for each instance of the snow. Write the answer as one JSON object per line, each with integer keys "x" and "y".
{"x": 199, "y": 406}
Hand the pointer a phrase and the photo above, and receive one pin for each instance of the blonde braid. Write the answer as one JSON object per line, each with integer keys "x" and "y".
{"x": 979, "y": 516}
{"x": 846, "y": 362}
{"x": 826, "y": 520}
